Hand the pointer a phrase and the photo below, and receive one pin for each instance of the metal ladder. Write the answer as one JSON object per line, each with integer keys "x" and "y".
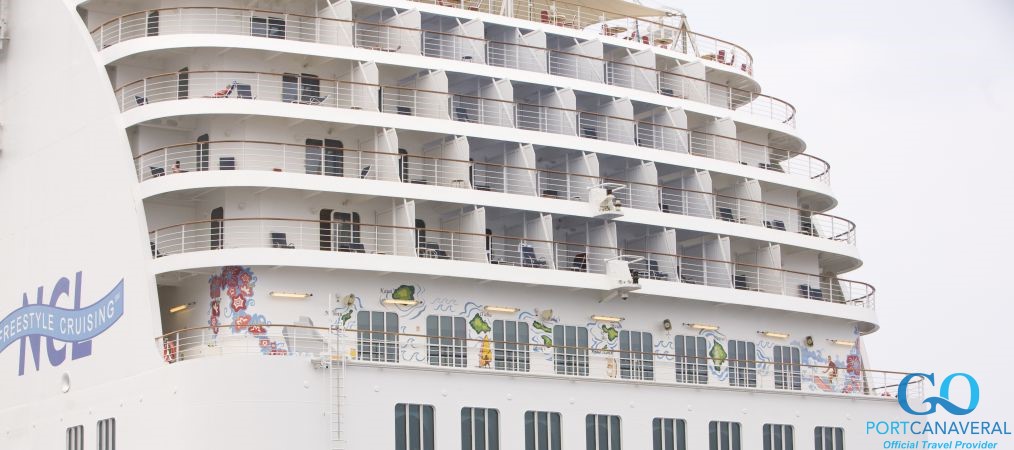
{"x": 335, "y": 358}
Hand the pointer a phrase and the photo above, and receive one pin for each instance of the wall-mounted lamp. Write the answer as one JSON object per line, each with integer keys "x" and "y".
{"x": 774, "y": 334}
{"x": 667, "y": 324}
{"x": 394, "y": 301}
{"x": 842, "y": 342}
{"x": 280, "y": 294}
{"x": 599, "y": 318}
{"x": 500, "y": 309}
{"x": 701, "y": 326}
{"x": 180, "y": 308}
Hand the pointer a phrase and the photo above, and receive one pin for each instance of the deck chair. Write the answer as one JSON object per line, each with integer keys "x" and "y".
{"x": 244, "y": 91}
{"x": 313, "y": 100}
{"x": 775, "y": 224}
{"x": 461, "y": 115}
{"x": 351, "y": 247}
{"x": 157, "y": 171}
{"x": 726, "y": 214}
{"x": 656, "y": 274}
{"x": 224, "y": 92}
{"x": 579, "y": 263}
{"x": 404, "y": 110}
{"x": 528, "y": 258}
{"x": 278, "y": 240}
{"x": 739, "y": 281}
{"x": 363, "y": 173}
{"x": 141, "y": 101}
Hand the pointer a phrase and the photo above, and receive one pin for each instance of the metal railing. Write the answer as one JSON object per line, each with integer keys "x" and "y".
{"x": 297, "y": 89}
{"x": 532, "y": 358}
{"x": 483, "y": 176}
{"x": 438, "y": 44}
{"x": 355, "y": 237}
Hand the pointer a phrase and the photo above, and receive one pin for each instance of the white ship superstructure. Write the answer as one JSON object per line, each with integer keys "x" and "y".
{"x": 392, "y": 224}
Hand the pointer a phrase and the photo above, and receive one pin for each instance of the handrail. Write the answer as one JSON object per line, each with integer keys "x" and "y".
{"x": 478, "y": 247}
{"x": 124, "y": 28}
{"x": 473, "y": 109}
{"x": 338, "y": 343}
{"x": 278, "y": 156}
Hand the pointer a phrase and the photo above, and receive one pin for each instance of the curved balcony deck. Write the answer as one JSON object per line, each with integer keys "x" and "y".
{"x": 240, "y": 85}
{"x": 493, "y": 177}
{"x": 361, "y": 238}
{"x": 376, "y": 36}
{"x": 514, "y": 359}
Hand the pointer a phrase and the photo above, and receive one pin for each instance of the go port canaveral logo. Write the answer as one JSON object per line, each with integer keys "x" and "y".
{"x": 938, "y": 434}
{"x": 33, "y": 323}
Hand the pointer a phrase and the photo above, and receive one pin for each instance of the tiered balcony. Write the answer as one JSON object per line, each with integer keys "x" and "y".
{"x": 375, "y": 36}
{"x": 522, "y": 359}
{"x": 396, "y": 241}
{"x": 226, "y": 85}
{"x": 493, "y": 177}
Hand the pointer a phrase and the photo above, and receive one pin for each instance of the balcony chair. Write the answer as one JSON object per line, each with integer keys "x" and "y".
{"x": 589, "y": 132}
{"x": 278, "y": 240}
{"x": 666, "y": 92}
{"x": 366, "y": 171}
{"x": 155, "y": 253}
{"x": 739, "y": 282}
{"x": 805, "y": 291}
{"x": 432, "y": 250}
{"x": 775, "y": 224}
{"x": 224, "y": 92}
{"x": 141, "y": 101}
{"x": 244, "y": 91}
{"x": 644, "y": 40}
{"x": 404, "y": 110}
{"x": 684, "y": 278}
{"x": 550, "y": 193}
{"x": 579, "y": 263}
{"x": 314, "y": 100}
{"x": 528, "y": 258}
{"x": 721, "y": 56}
{"x": 726, "y": 214}
{"x": 226, "y": 163}
{"x": 351, "y": 247}
{"x": 656, "y": 274}
{"x": 157, "y": 171}
{"x": 461, "y": 114}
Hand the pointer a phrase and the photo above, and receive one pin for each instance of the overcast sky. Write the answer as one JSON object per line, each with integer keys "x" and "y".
{"x": 912, "y": 103}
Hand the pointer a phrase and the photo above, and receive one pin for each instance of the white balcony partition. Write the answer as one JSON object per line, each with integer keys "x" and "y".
{"x": 539, "y": 235}
{"x": 337, "y": 32}
{"x": 473, "y": 45}
{"x": 552, "y": 111}
{"x": 396, "y": 234}
{"x": 578, "y": 59}
{"x": 751, "y": 212}
{"x": 698, "y": 201}
{"x": 469, "y": 242}
{"x": 641, "y": 190}
{"x": 685, "y": 81}
{"x": 582, "y": 175}
{"x": 446, "y": 163}
{"x": 610, "y": 121}
{"x": 425, "y": 95}
{"x": 710, "y": 142}
{"x": 662, "y": 262}
{"x": 663, "y": 129}
{"x": 493, "y": 112}
{"x": 403, "y": 35}
{"x": 365, "y": 91}
{"x": 633, "y": 69}
{"x": 520, "y": 176}
{"x": 601, "y": 246}
{"x": 770, "y": 259}
{"x": 532, "y": 54}
{"x": 384, "y": 165}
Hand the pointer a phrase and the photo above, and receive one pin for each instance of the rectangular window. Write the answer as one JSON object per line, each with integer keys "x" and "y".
{"x": 829, "y": 438}
{"x": 669, "y": 434}
{"x": 787, "y": 369}
{"x": 542, "y": 431}
{"x": 724, "y": 435}
{"x": 570, "y": 350}
{"x": 75, "y": 438}
{"x": 272, "y": 27}
{"x": 480, "y": 429}
{"x": 742, "y": 364}
{"x": 691, "y": 359}
{"x": 378, "y": 336}
{"x": 446, "y": 341}
{"x": 106, "y": 431}
{"x": 510, "y": 346}
{"x": 413, "y": 427}
{"x": 778, "y": 437}
{"x": 602, "y": 432}
{"x": 636, "y": 356}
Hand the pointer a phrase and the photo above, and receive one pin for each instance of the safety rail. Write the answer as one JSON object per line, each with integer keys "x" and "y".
{"x": 433, "y": 243}
{"x": 533, "y": 356}
{"x": 314, "y": 91}
{"x": 483, "y": 176}
{"x": 438, "y": 44}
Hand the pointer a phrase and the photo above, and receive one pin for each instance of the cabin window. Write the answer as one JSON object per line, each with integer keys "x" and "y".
{"x": 542, "y": 431}
{"x": 691, "y": 354}
{"x": 787, "y": 369}
{"x": 377, "y": 336}
{"x": 669, "y": 434}
{"x": 446, "y": 341}
{"x": 570, "y": 350}
{"x": 742, "y": 364}
{"x": 636, "y": 356}
{"x": 510, "y": 345}
{"x": 778, "y": 437}
{"x": 272, "y": 27}
{"x": 480, "y": 429}
{"x": 724, "y": 436}
{"x": 602, "y": 432}
{"x": 413, "y": 427}
{"x": 829, "y": 438}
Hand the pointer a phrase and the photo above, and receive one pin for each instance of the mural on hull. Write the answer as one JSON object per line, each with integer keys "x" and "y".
{"x": 238, "y": 284}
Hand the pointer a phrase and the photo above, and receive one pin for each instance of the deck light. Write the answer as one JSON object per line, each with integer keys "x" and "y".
{"x": 701, "y": 326}
{"x": 774, "y": 334}
{"x": 394, "y": 301}
{"x": 502, "y": 309}
{"x": 598, "y": 318}
{"x": 291, "y": 294}
{"x": 183, "y": 307}
{"x": 842, "y": 342}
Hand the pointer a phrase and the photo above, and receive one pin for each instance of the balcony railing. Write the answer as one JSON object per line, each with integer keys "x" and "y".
{"x": 482, "y": 176}
{"x": 438, "y": 44}
{"x": 522, "y": 359}
{"x": 354, "y": 237}
{"x": 290, "y": 88}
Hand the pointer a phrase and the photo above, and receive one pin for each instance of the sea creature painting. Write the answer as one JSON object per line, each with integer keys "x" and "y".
{"x": 539, "y": 326}
{"x": 485, "y": 353}
{"x": 345, "y": 317}
{"x": 480, "y": 326}
{"x": 404, "y": 292}
{"x": 718, "y": 354}
{"x": 547, "y": 341}
{"x": 610, "y": 332}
